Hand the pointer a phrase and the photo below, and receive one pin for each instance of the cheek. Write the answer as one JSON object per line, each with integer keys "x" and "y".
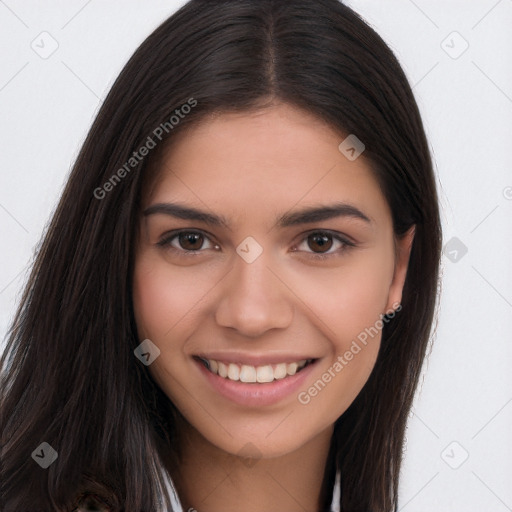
{"x": 349, "y": 301}
{"x": 350, "y": 298}
{"x": 168, "y": 303}
{"x": 163, "y": 303}
{"x": 163, "y": 299}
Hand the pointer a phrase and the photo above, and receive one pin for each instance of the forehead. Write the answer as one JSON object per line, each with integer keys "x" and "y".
{"x": 262, "y": 163}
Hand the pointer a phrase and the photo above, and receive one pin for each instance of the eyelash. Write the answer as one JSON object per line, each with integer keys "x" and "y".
{"x": 346, "y": 244}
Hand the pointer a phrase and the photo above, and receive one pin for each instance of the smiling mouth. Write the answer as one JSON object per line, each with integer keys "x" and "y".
{"x": 254, "y": 374}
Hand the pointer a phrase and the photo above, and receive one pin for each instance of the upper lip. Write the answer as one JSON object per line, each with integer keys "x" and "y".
{"x": 254, "y": 359}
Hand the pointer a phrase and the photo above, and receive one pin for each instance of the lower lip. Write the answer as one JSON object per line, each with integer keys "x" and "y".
{"x": 257, "y": 394}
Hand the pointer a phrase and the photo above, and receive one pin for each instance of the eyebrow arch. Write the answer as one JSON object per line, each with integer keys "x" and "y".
{"x": 305, "y": 216}
{"x": 316, "y": 214}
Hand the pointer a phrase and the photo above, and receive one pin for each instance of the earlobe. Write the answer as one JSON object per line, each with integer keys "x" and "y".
{"x": 402, "y": 255}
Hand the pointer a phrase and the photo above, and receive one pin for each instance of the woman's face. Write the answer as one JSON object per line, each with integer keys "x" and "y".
{"x": 245, "y": 288}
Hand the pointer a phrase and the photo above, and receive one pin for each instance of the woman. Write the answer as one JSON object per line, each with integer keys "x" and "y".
{"x": 235, "y": 295}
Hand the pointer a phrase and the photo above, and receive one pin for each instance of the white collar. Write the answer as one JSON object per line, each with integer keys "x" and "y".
{"x": 176, "y": 506}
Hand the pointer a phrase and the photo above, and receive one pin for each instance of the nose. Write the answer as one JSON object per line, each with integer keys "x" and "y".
{"x": 254, "y": 298}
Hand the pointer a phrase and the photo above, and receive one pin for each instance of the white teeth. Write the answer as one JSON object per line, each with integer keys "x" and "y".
{"x": 223, "y": 370}
{"x": 291, "y": 369}
{"x": 280, "y": 371}
{"x": 248, "y": 373}
{"x": 265, "y": 374}
{"x": 261, "y": 374}
{"x": 233, "y": 372}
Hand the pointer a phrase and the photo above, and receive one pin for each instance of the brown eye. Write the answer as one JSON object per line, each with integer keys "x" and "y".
{"x": 186, "y": 242}
{"x": 190, "y": 241}
{"x": 320, "y": 242}
{"x": 318, "y": 245}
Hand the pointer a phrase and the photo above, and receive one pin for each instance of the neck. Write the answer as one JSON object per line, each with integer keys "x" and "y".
{"x": 212, "y": 480}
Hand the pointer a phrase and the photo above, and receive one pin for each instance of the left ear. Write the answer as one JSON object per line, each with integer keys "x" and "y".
{"x": 403, "y": 247}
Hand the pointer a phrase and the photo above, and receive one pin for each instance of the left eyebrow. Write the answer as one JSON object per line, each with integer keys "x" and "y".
{"x": 319, "y": 213}
{"x": 304, "y": 216}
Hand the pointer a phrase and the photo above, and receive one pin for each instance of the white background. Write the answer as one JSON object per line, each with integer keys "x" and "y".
{"x": 464, "y": 406}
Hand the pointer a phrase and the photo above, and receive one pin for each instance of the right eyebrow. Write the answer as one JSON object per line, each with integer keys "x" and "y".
{"x": 304, "y": 216}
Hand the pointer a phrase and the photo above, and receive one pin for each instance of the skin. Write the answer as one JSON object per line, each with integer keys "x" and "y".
{"x": 252, "y": 168}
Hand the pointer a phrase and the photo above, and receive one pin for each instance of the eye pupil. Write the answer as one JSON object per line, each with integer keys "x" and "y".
{"x": 190, "y": 238}
{"x": 324, "y": 241}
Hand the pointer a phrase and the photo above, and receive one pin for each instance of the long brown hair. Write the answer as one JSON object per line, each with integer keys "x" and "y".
{"x": 69, "y": 376}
